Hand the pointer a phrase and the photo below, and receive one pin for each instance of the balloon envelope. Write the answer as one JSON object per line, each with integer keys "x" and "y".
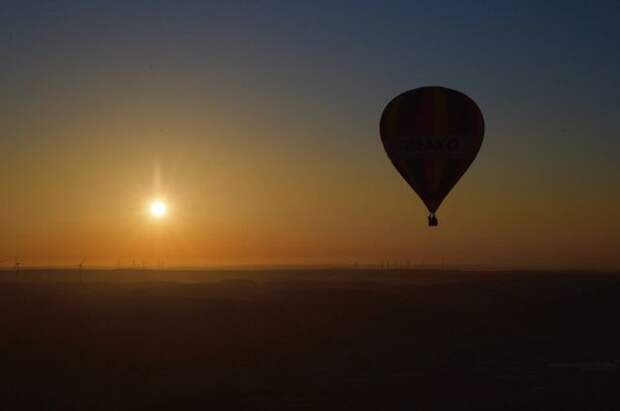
{"x": 432, "y": 135}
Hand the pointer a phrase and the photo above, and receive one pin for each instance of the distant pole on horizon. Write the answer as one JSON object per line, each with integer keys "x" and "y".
{"x": 80, "y": 271}
{"x": 17, "y": 264}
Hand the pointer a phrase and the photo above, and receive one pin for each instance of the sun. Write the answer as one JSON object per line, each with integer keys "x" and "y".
{"x": 158, "y": 209}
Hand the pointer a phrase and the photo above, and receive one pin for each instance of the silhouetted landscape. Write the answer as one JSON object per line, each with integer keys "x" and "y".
{"x": 309, "y": 339}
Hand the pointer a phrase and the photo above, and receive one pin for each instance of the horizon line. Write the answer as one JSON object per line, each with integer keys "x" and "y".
{"x": 261, "y": 267}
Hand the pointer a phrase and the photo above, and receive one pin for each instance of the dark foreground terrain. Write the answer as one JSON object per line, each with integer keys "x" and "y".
{"x": 316, "y": 340}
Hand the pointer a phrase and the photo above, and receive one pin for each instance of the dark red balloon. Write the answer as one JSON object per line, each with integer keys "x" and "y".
{"x": 432, "y": 135}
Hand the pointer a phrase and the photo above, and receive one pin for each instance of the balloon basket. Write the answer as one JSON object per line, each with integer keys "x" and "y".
{"x": 432, "y": 221}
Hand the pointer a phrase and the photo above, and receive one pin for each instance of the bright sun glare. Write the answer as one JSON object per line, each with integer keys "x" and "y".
{"x": 158, "y": 209}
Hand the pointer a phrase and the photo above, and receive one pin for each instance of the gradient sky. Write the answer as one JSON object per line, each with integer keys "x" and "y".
{"x": 261, "y": 121}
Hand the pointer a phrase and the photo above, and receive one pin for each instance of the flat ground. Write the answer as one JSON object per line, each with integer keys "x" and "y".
{"x": 323, "y": 339}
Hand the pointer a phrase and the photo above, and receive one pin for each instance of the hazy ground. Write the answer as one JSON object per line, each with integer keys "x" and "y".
{"x": 329, "y": 339}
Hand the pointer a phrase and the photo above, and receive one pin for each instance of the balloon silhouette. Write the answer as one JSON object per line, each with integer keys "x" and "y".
{"x": 432, "y": 135}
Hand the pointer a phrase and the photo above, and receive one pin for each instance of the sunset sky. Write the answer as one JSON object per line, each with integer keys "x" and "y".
{"x": 258, "y": 124}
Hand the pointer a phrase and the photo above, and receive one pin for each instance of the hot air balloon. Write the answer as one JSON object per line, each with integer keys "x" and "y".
{"x": 432, "y": 135}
